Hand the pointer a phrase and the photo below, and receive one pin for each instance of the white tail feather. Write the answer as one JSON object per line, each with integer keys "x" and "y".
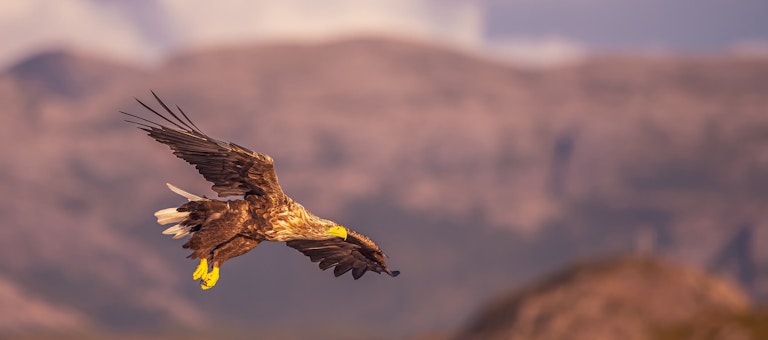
{"x": 180, "y": 235}
{"x": 172, "y": 230}
{"x": 165, "y": 211}
{"x": 178, "y": 231}
{"x": 191, "y": 197}
{"x": 172, "y": 215}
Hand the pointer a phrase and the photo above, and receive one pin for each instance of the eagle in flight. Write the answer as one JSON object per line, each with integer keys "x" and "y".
{"x": 223, "y": 229}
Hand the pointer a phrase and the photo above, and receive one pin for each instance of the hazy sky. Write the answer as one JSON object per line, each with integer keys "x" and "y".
{"x": 634, "y": 24}
{"x": 148, "y": 30}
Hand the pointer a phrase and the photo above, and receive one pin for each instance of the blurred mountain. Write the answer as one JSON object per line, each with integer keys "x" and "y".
{"x": 57, "y": 73}
{"x": 631, "y": 298}
{"x": 472, "y": 175}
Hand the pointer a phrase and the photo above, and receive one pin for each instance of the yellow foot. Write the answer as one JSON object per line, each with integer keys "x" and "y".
{"x": 201, "y": 270}
{"x": 210, "y": 279}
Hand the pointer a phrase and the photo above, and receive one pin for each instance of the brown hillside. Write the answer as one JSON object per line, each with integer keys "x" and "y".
{"x": 626, "y": 299}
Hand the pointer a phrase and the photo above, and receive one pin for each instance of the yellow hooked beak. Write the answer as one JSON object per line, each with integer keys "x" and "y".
{"x": 338, "y": 231}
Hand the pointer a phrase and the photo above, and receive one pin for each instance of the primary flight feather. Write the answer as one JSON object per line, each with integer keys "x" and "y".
{"x": 220, "y": 230}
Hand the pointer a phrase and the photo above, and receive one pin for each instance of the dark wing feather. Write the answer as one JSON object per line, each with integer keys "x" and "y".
{"x": 233, "y": 169}
{"x": 357, "y": 253}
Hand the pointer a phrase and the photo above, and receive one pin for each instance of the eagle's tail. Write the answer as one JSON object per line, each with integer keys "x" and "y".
{"x": 173, "y": 215}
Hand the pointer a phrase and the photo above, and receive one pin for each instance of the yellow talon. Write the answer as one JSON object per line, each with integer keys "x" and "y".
{"x": 209, "y": 280}
{"x": 201, "y": 271}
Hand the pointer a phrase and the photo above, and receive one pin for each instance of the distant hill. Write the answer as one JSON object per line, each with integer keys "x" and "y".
{"x": 632, "y": 298}
{"x": 58, "y": 73}
{"x": 473, "y": 175}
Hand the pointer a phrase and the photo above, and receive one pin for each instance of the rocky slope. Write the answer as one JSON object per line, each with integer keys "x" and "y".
{"x": 632, "y": 298}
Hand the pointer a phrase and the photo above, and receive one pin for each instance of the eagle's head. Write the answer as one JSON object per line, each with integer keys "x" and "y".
{"x": 322, "y": 229}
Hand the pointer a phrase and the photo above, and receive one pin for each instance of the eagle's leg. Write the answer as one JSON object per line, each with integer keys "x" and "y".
{"x": 209, "y": 279}
{"x": 237, "y": 246}
{"x": 201, "y": 270}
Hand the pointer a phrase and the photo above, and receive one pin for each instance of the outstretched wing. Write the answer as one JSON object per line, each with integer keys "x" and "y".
{"x": 233, "y": 169}
{"x": 357, "y": 253}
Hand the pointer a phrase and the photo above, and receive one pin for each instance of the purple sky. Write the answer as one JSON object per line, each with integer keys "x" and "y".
{"x": 685, "y": 25}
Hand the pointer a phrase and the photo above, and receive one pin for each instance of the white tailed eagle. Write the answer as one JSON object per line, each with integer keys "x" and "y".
{"x": 221, "y": 230}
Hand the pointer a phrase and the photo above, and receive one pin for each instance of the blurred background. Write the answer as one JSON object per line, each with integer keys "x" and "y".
{"x": 536, "y": 169}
